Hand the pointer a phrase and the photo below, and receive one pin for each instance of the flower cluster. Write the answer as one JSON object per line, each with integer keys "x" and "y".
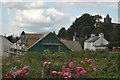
{"x": 46, "y": 64}
{"x": 74, "y": 72}
{"x": 19, "y": 73}
{"x": 67, "y": 72}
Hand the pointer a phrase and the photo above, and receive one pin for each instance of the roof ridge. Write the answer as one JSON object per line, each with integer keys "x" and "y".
{"x": 38, "y": 33}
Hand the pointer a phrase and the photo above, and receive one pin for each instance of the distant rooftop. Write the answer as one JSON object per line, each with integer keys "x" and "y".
{"x": 93, "y": 39}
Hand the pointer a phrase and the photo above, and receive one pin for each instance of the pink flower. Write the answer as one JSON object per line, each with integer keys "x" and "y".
{"x": 25, "y": 68}
{"x": 94, "y": 69}
{"x": 82, "y": 62}
{"x": 49, "y": 63}
{"x": 46, "y": 64}
{"x": 55, "y": 72}
{"x": 67, "y": 70}
{"x": 59, "y": 73}
{"x": 63, "y": 68}
{"x": 67, "y": 76}
{"x": 9, "y": 75}
{"x": 18, "y": 73}
{"x": 71, "y": 65}
{"x": 89, "y": 61}
{"x": 22, "y": 72}
{"x": 77, "y": 75}
{"x": 83, "y": 72}
{"x": 78, "y": 69}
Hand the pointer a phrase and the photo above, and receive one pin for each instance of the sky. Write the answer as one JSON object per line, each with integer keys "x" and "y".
{"x": 50, "y": 15}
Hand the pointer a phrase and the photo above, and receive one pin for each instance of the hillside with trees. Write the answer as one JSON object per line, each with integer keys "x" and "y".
{"x": 87, "y": 24}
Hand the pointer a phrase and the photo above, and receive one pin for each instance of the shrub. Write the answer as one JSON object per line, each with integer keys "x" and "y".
{"x": 113, "y": 44}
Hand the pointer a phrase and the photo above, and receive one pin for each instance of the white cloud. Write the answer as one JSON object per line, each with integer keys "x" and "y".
{"x": 46, "y": 28}
{"x": 32, "y": 15}
{"x": 61, "y": 0}
{"x": 29, "y": 17}
{"x": 38, "y": 4}
{"x": 54, "y": 12}
{"x": 12, "y": 0}
{"x": 87, "y": 5}
{"x": 36, "y": 17}
{"x": 81, "y": 0}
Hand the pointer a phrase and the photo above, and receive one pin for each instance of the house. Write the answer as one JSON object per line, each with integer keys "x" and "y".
{"x": 5, "y": 46}
{"x": 38, "y": 42}
{"x": 95, "y": 42}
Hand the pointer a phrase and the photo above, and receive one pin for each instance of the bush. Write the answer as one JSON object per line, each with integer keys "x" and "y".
{"x": 113, "y": 44}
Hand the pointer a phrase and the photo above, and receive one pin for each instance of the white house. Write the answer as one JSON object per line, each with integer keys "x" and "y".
{"x": 95, "y": 42}
{"x": 4, "y": 46}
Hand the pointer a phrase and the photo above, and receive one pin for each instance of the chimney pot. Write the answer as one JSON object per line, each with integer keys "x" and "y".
{"x": 92, "y": 35}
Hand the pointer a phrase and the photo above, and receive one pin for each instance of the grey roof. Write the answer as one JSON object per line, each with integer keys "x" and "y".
{"x": 93, "y": 39}
{"x": 73, "y": 45}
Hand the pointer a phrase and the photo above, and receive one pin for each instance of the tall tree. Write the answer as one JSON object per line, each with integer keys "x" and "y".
{"x": 86, "y": 21}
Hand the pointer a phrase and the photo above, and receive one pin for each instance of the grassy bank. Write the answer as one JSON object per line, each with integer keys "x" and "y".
{"x": 105, "y": 62}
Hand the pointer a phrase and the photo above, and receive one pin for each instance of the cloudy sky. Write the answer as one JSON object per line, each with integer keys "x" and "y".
{"x": 49, "y": 15}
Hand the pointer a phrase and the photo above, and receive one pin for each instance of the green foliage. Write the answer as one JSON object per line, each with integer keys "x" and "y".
{"x": 62, "y": 33}
{"x": 47, "y": 51}
{"x": 85, "y": 25}
{"x": 113, "y": 44}
{"x": 106, "y": 63}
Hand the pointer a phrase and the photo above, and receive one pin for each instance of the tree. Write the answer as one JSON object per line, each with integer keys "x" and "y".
{"x": 82, "y": 25}
{"x": 62, "y": 33}
{"x": 86, "y": 31}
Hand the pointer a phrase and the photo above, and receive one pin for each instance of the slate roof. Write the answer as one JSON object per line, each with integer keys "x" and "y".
{"x": 93, "y": 39}
{"x": 73, "y": 45}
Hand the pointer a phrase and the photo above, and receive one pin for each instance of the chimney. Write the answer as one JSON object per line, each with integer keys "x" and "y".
{"x": 101, "y": 35}
{"x": 74, "y": 36}
{"x": 92, "y": 35}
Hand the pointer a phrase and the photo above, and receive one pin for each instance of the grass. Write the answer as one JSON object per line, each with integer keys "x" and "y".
{"x": 106, "y": 63}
